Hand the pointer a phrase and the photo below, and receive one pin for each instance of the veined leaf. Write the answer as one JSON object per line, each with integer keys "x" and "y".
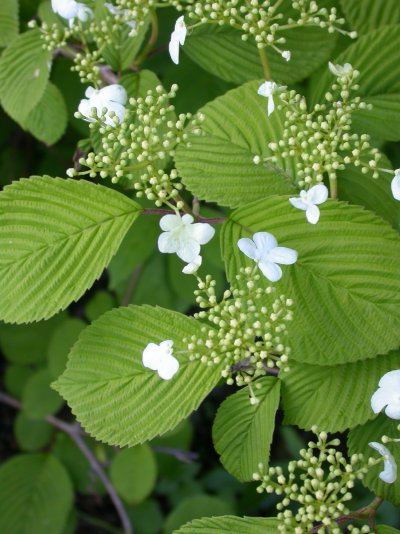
{"x": 8, "y": 21}
{"x": 242, "y": 432}
{"x": 56, "y": 238}
{"x": 358, "y": 441}
{"x": 232, "y": 525}
{"x": 345, "y": 283}
{"x": 24, "y": 71}
{"x": 35, "y": 495}
{"x": 309, "y": 397}
{"x": 112, "y": 394}
{"x": 368, "y": 15}
{"x": 218, "y": 166}
{"x": 375, "y": 56}
{"x": 385, "y": 529}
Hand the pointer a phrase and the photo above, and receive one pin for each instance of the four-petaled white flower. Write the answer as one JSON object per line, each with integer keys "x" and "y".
{"x": 286, "y": 54}
{"x": 178, "y": 37}
{"x": 264, "y": 250}
{"x": 159, "y": 358}
{"x": 112, "y": 98}
{"x": 308, "y": 201}
{"x": 340, "y": 70}
{"x": 182, "y": 237}
{"x": 117, "y": 12}
{"x": 388, "y": 394}
{"x": 70, "y": 10}
{"x": 389, "y": 473}
{"x": 193, "y": 266}
{"x": 395, "y": 185}
{"x": 268, "y": 89}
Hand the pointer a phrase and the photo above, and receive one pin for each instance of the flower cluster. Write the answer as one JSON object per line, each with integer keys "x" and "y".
{"x": 246, "y": 331}
{"x": 316, "y": 488}
{"x": 136, "y": 140}
{"x": 321, "y": 141}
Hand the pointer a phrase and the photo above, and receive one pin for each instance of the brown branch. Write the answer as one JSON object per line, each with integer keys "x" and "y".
{"x": 186, "y": 457}
{"x": 75, "y": 432}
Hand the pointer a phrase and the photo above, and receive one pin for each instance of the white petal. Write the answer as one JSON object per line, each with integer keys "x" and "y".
{"x": 188, "y": 250}
{"x": 379, "y": 400}
{"x": 84, "y": 13}
{"x": 318, "y": 194}
{"x": 312, "y": 214}
{"x": 286, "y": 54}
{"x": 119, "y": 111}
{"x": 90, "y": 92}
{"x": 271, "y": 105}
{"x": 266, "y": 89}
{"x": 167, "y": 243}
{"x": 264, "y": 242}
{"x": 283, "y": 255}
{"x": 270, "y": 270}
{"x": 111, "y": 8}
{"x": 298, "y": 203}
{"x": 202, "y": 232}
{"x": 395, "y": 186}
{"x": 170, "y": 222}
{"x": 167, "y": 345}
{"x": 181, "y": 30}
{"x": 393, "y": 410}
{"x": 169, "y": 366}
{"x": 391, "y": 380}
{"x": 152, "y": 356}
{"x": 389, "y": 473}
{"x": 173, "y": 48}
{"x": 193, "y": 267}
{"x": 68, "y": 9}
{"x": 85, "y": 108}
{"x": 187, "y": 219}
{"x": 248, "y": 247}
{"x": 114, "y": 93}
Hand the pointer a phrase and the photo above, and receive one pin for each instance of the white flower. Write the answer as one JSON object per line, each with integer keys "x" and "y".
{"x": 395, "y": 185}
{"x": 340, "y": 70}
{"x": 388, "y": 394}
{"x": 308, "y": 201}
{"x": 178, "y": 37}
{"x": 268, "y": 89}
{"x": 112, "y": 98}
{"x": 286, "y": 54}
{"x": 119, "y": 12}
{"x": 389, "y": 473}
{"x": 264, "y": 250}
{"x": 182, "y": 237}
{"x": 193, "y": 266}
{"x": 159, "y": 358}
{"x": 70, "y": 10}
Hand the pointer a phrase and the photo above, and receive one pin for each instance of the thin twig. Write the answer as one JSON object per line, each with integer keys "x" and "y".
{"x": 126, "y": 299}
{"x": 186, "y": 457}
{"x": 74, "y": 431}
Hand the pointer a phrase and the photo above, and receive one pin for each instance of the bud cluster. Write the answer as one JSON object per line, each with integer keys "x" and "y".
{"x": 316, "y": 488}
{"x": 137, "y": 149}
{"x": 247, "y": 329}
{"x": 139, "y": 10}
{"x": 321, "y": 141}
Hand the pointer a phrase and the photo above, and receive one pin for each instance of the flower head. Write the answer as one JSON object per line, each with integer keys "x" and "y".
{"x": 119, "y": 12}
{"x": 182, "y": 237}
{"x": 178, "y": 37}
{"x": 112, "y": 98}
{"x": 286, "y": 54}
{"x": 389, "y": 473}
{"x": 395, "y": 185}
{"x": 268, "y": 89}
{"x": 193, "y": 266}
{"x": 388, "y": 394}
{"x": 264, "y": 250}
{"x": 159, "y": 358}
{"x": 340, "y": 70}
{"x": 308, "y": 201}
{"x": 70, "y": 10}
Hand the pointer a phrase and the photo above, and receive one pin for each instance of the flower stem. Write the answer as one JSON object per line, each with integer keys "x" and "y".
{"x": 152, "y": 40}
{"x": 265, "y": 63}
{"x": 333, "y": 187}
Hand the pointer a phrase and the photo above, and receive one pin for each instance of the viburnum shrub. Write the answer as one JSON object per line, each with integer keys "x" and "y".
{"x": 271, "y": 127}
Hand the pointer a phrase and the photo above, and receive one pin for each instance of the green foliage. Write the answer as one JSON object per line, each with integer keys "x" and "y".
{"x": 15, "y": 379}
{"x": 134, "y": 472}
{"x": 218, "y": 166}
{"x": 35, "y": 495}
{"x": 38, "y": 398}
{"x": 8, "y": 21}
{"x": 113, "y": 395}
{"x": 61, "y": 342}
{"x": 242, "y": 431}
{"x": 31, "y": 434}
{"x": 229, "y": 524}
{"x": 84, "y": 225}
{"x": 307, "y": 392}
{"x": 368, "y": 15}
{"x": 384, "y": 529}
{"x": 342, "y": 261}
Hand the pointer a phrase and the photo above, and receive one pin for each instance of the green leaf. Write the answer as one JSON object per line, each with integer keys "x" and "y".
{"x": 31, "y": 435}
{"x": 133, "y": 473}
{"x": 218, "y": 166}
{"x": 384, "y": 529}
{"x": 230, "y": 525}
{"x": 15, "y": 379}
{"x": 35, "y": 495}
{"x": 56, "y": 238}
{"x": 24, "y": 71}
{"x": 38, "y": 399}
{"x": 345, "y": 283}
{"x": 116, "y": 398}
{"x": 48, "y": 119}
{"x": 242, "y": 432}
{"x": 8, "y": 21}
{"x": 358, "y": 441}
{"x": 101, "y": 302}
{"x": 60, "y": 344}
{"x": 367, "y": 15}
{"x": 375, "y": 56}
{"x": 309, "y": 398}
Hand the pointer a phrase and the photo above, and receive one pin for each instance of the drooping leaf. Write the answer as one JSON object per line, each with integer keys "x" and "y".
{"x": 218, "y": 166}
{"x": 56, "y": 238}
{"x": 31, "y": 434}
{"x": 60, "y": 343}
{"x": 38, "y": 399}
{"x": 35, "y": 495}
{"x": 116, "y": 398}
{"x": 368, "y": 15}
{"x": 309, "y": 397}
{"x": 8, "y": 21}
{"x": 344, "y": 284}
{"x": 242, "y": 432}
{"x": 358, "y": 441}
{"x": 230, "y": 524}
